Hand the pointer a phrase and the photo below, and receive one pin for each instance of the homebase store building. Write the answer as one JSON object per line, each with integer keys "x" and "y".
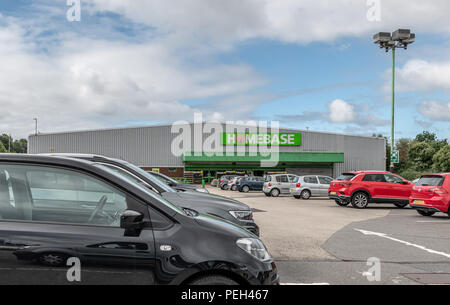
{"x": 179, "y": 150}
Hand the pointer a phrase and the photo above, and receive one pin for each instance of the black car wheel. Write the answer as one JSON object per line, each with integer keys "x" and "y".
{"x": 342, "y": 203}
{"x": 224, "y": 187}
{"x": 245, "y": 189}
{"x": 401, "y": 205}
{"x": 214, "y": 280}
{"x": 425, "y": 213}
{"x": 234, "y": 188}
{"x": 305, "y": 195}
{"x": 275, "y": 193}
{"x": 53, "y": 259}
{"x": 360, "y": 200}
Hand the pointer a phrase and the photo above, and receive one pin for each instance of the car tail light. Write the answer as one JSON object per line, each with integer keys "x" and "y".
{"x": 439, "y": 191}
{"x": 221, "y": 180}
{"x": 298, "y": 185}
{"x": 270, "y": 184}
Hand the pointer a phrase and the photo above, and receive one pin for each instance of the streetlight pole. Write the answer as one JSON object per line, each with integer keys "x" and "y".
{"x": 399, "y": 39}
{"x": 35, "y": 126}
{"x": 393, "y": 107}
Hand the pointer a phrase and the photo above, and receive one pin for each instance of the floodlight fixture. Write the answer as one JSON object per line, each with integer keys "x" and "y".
{"x": 382, "y": 37}
{"x": 411, "y": 39}
{"x": 401, "y": 34}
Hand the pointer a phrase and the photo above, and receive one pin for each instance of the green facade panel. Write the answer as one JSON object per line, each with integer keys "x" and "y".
{"x": 284, "y": 157}
{"x": 237, "y": 167}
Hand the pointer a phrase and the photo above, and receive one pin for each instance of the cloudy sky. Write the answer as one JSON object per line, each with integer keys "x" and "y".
{"x": 307, "y": 63}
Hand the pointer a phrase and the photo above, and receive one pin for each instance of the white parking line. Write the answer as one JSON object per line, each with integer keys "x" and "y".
{"x": 404, "y": 242}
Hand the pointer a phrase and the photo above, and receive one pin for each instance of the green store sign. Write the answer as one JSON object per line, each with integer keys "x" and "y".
{"x": 257, "y": 139}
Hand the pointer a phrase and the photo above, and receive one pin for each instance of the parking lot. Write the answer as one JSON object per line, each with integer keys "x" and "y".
{"x": 317, "y": 242}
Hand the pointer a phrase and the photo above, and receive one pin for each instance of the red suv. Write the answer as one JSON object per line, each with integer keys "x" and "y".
{"x": 362, "y": 188}
{"x": 431, "y": 194}
{"x": 336, "y": 185}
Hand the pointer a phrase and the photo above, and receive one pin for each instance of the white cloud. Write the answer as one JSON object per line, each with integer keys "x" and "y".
{"x": 341, "y": 112}
{"x": 435, "y": 110}
{"x": 422, "y": 75}
{"x": 299, "y": 21}
{"x": 71, "y": 78}
{"x": 87, "y": 83}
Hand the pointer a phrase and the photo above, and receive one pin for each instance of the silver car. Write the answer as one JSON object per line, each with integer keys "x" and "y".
{"x": 232, "y": 184}
{"x": 305, "y": 187}
{"x": 278, "y": 184}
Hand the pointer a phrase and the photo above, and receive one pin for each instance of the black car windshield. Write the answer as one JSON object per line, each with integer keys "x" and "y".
{"x": 162, "y": 177}
{"x": 150, "y": 177}
{"x": 345, "y": 177}
{"x": 431, "y": 181}
{"x": 142, "y": 188}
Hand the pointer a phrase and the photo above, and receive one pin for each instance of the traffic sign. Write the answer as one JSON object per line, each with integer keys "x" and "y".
{"x": 395, "y": 157}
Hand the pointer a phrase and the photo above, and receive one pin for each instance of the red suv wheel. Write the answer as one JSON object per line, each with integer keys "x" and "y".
{"x": 360, "y": 200}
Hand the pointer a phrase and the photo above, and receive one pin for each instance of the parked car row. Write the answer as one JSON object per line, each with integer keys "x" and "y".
{"x": 123, "y": 223}
{"x": 429, "y": 195}
{"x": 300, "y": 187}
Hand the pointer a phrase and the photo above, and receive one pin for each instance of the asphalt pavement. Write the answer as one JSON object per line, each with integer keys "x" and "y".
{"x": 318, "y": 242}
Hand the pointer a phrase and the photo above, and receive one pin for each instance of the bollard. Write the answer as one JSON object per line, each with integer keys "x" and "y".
{"x": 203, "y": 183}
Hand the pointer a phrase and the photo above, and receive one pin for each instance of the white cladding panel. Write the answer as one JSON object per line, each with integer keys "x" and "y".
{"x": 151, "y": 146}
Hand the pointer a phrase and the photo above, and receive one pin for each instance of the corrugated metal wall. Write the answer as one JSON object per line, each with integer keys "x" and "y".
{"x": 151, "y": 146}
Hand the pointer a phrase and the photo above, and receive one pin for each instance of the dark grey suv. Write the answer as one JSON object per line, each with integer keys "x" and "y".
{"x": 208, "y": 204}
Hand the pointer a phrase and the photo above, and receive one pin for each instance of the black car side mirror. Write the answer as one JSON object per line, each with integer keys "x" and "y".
{"x": 405, "y": 182}
{"x": 132, "y": 222}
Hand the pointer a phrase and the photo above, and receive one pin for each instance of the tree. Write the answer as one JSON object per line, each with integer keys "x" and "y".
{"x": 441, "y": 160}
{"x": 2, "y": 148}
{"x": 432, "y": 139}
{"x": 20, "y": 146}
{"x": 421, "y": 155}
{"x": 6, "y": 141}
{"x": 14, "y": 146}
{"x": 426, "y": 136}
{"x": 403, "y": 146}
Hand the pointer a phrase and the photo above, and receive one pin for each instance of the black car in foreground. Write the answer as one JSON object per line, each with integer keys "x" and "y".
{"x": 57, "y": 212}
{"x": 177, "y": 185}
{"x": 208, "y": 204}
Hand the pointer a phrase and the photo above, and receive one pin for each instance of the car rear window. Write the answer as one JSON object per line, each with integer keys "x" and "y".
{"x": 345, "y": 177}
{"x": 311, "y": 179}
{"x": 431, "y": 181}
{"x": 268, "y": 178}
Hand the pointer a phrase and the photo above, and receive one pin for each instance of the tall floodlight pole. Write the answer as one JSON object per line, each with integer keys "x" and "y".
{"x": 399, "y": 39}
{"x": 393, "y": 106}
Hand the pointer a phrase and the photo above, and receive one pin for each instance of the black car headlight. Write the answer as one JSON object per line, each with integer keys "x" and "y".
{"x": 254, "y": 247}
{"x": 242, "y": 215}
